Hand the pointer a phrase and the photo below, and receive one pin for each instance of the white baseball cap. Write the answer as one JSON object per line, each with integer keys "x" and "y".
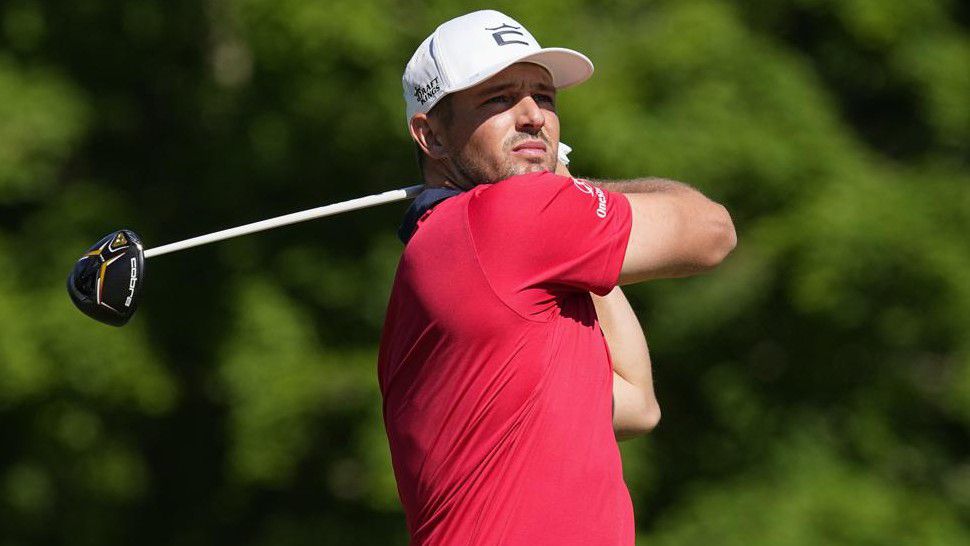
{"x": 470, "y": 49}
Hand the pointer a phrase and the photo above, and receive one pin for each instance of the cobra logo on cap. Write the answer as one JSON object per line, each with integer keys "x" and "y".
{"x": 500, "y": 35}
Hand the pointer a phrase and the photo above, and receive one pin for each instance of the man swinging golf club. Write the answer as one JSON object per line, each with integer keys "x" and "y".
{"x": 510, "y": 361}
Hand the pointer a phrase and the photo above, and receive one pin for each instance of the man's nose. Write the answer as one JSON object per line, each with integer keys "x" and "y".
{"x": 529, "y": 117}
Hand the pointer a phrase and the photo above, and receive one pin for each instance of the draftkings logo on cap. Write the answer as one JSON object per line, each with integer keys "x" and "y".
{"x": 470, "y": 49}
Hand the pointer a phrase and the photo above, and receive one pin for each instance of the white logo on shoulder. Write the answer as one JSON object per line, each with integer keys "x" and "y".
{"x": 584, "y": 187}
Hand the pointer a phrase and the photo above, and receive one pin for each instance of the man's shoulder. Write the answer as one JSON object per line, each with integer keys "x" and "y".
{"x": 520, "y": 181}
{"x": 522, "y": 189}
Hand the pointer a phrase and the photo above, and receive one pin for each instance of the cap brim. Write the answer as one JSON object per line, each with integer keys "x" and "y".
{"x": 567, "y": 67}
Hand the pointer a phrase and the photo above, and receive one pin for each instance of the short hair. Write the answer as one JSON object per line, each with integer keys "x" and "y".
{"x": 443, "y": 109}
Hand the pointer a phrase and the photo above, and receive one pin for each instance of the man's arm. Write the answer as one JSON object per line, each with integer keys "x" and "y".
{"x": 635, "y": 407}
{"x": 676, "y": 231}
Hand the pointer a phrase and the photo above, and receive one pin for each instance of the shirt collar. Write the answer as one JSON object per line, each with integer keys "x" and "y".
{"x": 425, "y": 201}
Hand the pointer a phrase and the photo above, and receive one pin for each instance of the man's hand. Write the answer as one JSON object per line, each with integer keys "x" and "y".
{"x": 635, "y": 407}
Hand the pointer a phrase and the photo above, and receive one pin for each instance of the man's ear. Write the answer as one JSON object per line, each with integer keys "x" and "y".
{"x": 428, "y": 138}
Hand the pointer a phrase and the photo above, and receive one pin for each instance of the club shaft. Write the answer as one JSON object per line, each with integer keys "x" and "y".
{"x": 286, "y": 219}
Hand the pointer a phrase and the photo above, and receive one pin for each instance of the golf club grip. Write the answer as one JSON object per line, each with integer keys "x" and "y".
{"x": 286, "y": 219}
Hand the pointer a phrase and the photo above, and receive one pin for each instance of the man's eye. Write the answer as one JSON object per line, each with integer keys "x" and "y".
{"x": 500, "y": 99}
{"x": 539, "y": 97}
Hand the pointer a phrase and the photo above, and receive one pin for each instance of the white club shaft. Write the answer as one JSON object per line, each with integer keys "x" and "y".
{"x": 286, "y": 219}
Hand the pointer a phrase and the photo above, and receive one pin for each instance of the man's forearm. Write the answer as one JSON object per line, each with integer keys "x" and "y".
{"x": 624, "y": 337}
{"x": 635, "y": 185}
{"x": 675, "y": 230}
{"x": 635, "y": 408}
{"x": 641, "y": 185}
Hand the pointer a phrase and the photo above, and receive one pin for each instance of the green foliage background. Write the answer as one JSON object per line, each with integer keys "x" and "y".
{"x": 816, "y": 389}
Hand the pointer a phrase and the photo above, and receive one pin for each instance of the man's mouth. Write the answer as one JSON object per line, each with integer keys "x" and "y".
{"x": 530, "y": 148}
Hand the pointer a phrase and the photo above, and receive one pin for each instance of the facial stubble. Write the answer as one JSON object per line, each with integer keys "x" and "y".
{"x": 473, "y": 168}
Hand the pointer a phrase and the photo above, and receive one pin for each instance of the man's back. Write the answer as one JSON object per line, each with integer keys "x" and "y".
{"x": 495, "y": 375}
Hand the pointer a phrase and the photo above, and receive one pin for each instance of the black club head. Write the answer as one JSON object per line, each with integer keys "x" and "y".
{"x": 106, "y": 282}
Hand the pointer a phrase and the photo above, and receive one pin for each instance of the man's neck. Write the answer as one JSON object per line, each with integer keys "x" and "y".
{"x": 442, "y": 183}
{"x": 435, "y": 176}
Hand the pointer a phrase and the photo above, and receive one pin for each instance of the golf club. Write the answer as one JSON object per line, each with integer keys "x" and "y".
{"x": 106, "y": 282}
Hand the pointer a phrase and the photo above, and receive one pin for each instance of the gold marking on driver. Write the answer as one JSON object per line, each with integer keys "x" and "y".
{"x": 119, "y": 241}
{"x": 104, "y": 267}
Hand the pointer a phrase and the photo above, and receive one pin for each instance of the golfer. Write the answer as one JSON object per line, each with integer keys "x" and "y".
{"x": 510, "y": 362}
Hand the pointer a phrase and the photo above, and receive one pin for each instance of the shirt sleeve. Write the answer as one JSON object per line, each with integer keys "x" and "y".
{"x": 541, "y": 234}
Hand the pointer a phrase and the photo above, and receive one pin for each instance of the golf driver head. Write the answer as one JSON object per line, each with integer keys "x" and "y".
{"x": 106, "y": 282}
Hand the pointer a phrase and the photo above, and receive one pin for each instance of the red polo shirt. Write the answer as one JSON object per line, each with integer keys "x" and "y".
{"x": 496, "y": 379}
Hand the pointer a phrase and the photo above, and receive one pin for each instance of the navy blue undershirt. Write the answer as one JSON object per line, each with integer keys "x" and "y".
{"x": 425, "y": 201}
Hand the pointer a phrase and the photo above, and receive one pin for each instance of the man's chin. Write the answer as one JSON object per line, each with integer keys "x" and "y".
{"x": 531, "y": 167}
{"x": 516, "y": 168}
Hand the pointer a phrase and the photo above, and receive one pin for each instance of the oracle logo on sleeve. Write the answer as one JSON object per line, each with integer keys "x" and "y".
{"x": 586, "y": 188}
